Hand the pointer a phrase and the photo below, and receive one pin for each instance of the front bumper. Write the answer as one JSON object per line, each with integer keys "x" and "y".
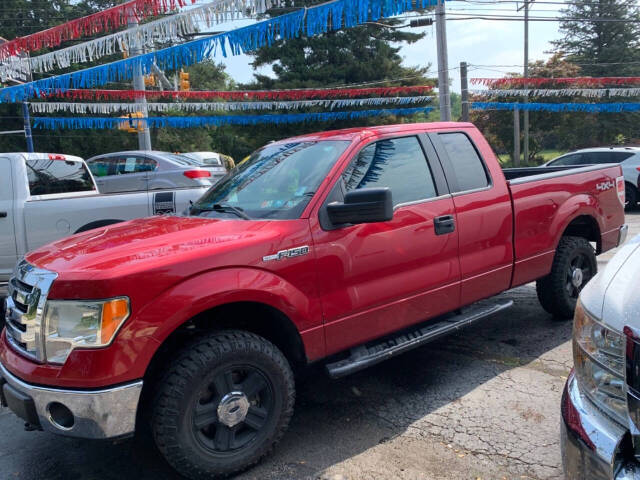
{"x": 593, "y": 446}
{"x": 99, "y": 414}
{"x": 622, "y": 235}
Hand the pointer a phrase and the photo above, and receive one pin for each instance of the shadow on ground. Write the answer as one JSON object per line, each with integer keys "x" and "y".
{"x": 334, "y": 420}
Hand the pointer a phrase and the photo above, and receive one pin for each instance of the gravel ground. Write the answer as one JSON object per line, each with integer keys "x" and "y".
{"x": 483, "y": 403}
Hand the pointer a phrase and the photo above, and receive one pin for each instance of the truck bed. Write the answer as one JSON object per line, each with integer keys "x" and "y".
{"x": 531, "y": 174}
{"x": 546, "y": 200}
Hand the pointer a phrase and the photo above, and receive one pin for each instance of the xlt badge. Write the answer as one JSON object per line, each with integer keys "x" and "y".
{"x": 292, "y": 252}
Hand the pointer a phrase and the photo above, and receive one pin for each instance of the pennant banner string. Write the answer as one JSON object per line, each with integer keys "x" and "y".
{"x": 537, "y": 81}
{"x": 560, "y": 107}
{"x": 171, "y": 30}
{"x": 104, "y": 21}
{"x": 106, "y": 108}
{"x": 561, "y": 92}
{"x": 309, "y": 21}
{"x": 290, "y": 94}
{"x": 54, "y": 123}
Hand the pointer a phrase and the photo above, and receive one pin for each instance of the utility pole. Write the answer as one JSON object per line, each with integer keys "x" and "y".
{"x": 144, "y": 137}
{"x": 26, "y": 117}
{"x": 516, "y": 136}
{"x": 525, "y": 113}
{"x": 464, "y": 91}
{"x": 27, "y": 126}
{"x": 443, "y": 63}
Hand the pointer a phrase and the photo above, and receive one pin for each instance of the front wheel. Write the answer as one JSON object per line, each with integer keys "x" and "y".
{"x": 573, "y": 266}
{"x": 223, "y": 404}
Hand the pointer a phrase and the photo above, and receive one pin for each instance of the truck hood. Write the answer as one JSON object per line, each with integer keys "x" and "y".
{"x": 614, "y": 294}
{"x": 147, "y": 244}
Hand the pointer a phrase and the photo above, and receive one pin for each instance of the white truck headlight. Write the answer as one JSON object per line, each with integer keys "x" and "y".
{"x": 598, "y": 357}
{"x": 70, "y": 324}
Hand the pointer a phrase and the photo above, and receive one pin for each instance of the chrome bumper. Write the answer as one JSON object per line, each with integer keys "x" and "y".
{"x": 592, "y": 443}
{"x": 98, "y": 414}
{"x": 622, "y": 234}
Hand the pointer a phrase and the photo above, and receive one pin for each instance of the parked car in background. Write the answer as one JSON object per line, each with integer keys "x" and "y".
{"x": 600, "y": 428}
{"x": 349, "y": 246}
{"x": 149, "y": 170}
{"x": 214, "y": 159}
{"x": 44, "y": 197}
{"x": 627, "y": 157}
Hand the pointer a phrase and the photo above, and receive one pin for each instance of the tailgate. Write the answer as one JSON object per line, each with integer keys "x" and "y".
{"x": 47, "y": 220}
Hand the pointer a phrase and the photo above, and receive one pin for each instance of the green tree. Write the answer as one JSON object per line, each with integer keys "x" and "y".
{"x": 602, "y": 36}
{"x": 367, "y": 54}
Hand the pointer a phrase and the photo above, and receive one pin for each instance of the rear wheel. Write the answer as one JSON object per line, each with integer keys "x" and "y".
{"x": 574, "y": 265}
{"x": 631, "y": 197}
{"x": 224, "y": 403}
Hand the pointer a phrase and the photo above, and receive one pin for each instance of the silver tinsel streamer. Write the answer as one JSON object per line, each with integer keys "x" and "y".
{"x": 560, "y": 92}
{"x": 108, "y": 108}
{"x": 169, "y": 30}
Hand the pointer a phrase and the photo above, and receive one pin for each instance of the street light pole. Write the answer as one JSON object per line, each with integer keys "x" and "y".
{"x": 144, "y": 137}
{"x": 443, "y": 63}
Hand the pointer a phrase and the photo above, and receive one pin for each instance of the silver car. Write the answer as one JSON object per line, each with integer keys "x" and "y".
{"x": 223, "y": 163}
{"x": 149, "y": 170}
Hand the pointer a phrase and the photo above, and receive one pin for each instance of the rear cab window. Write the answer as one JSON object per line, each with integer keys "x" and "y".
{"x": 469, "y": 169}
{"x": 50, "y": 177}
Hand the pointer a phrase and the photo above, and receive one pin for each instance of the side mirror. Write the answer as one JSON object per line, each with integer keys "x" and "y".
{"x": 368, "y": 205}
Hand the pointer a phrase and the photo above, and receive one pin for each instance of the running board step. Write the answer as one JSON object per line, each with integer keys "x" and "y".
{"x": 371, "y": 353}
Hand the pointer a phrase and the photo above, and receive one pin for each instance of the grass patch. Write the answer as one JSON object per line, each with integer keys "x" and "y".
{"x": 543, "y": 156}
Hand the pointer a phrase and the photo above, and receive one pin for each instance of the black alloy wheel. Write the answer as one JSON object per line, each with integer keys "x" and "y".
{"x": 579, "y": 272}
{"x": 233, "y": 409}
{"x": 574, "y": 264}
{"x": 224, "y": 402}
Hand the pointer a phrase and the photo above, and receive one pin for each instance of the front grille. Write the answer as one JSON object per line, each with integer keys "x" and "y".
{"x": 28, "y": 291}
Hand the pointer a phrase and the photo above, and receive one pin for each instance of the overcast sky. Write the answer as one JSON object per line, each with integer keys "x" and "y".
{"x": 478, "y": 42}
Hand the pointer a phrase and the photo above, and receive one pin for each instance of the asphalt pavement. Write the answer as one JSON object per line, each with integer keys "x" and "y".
{"x": 483, "y": 403}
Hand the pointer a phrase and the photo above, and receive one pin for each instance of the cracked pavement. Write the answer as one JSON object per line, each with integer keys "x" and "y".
{"x": 481, "y": 404}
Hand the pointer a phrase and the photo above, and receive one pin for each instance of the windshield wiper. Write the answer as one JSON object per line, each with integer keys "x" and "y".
{"x": 222, "y": 207}
{"x": 225, "y": 207}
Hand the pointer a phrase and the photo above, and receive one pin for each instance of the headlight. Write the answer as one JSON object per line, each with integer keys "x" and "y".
{"x": 598, "y": 357}
{"x": 81, "y": 324}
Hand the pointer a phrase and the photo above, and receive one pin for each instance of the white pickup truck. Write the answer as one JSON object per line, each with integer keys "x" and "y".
{"x": 44, "y": 197}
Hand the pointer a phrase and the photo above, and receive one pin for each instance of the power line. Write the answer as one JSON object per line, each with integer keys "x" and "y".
{"x": 512, "y": 18}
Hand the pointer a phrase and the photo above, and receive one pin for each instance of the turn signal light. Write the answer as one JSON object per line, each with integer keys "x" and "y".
{"x": 197, "y": 173}
{"x": 114, "y": 312}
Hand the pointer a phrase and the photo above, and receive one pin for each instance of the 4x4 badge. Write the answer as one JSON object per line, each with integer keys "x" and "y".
{"x": 292, "y": 252}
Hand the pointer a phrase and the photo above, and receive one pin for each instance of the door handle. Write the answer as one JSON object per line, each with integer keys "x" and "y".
{"x": 3, "y": 214}
{"x": 444, "y": 225}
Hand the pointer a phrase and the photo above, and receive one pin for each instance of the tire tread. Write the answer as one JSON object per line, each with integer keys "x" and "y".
{"x": 172, "y": 389}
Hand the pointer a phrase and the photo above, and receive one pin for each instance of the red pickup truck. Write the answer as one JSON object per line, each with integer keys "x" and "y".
{"x": 348, "y": 246}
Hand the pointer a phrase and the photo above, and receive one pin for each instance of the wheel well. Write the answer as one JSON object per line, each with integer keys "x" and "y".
{"x": 258, "y": 318}
{"x": 97, "y": 224}
{"x": 585, "y": 226}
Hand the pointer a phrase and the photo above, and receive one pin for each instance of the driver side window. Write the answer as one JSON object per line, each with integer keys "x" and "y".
{"x": 397, "y": 163}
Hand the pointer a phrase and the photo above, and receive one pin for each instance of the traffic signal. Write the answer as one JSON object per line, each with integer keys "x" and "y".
{"x": 185, "y": 86}
{"x": 129, "y": 124}
{"x": 150, "y": 80}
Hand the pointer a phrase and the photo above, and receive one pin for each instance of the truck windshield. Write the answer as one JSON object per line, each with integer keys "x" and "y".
{"x": 276, "y": 182}
{"x": 58, "y": 176}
